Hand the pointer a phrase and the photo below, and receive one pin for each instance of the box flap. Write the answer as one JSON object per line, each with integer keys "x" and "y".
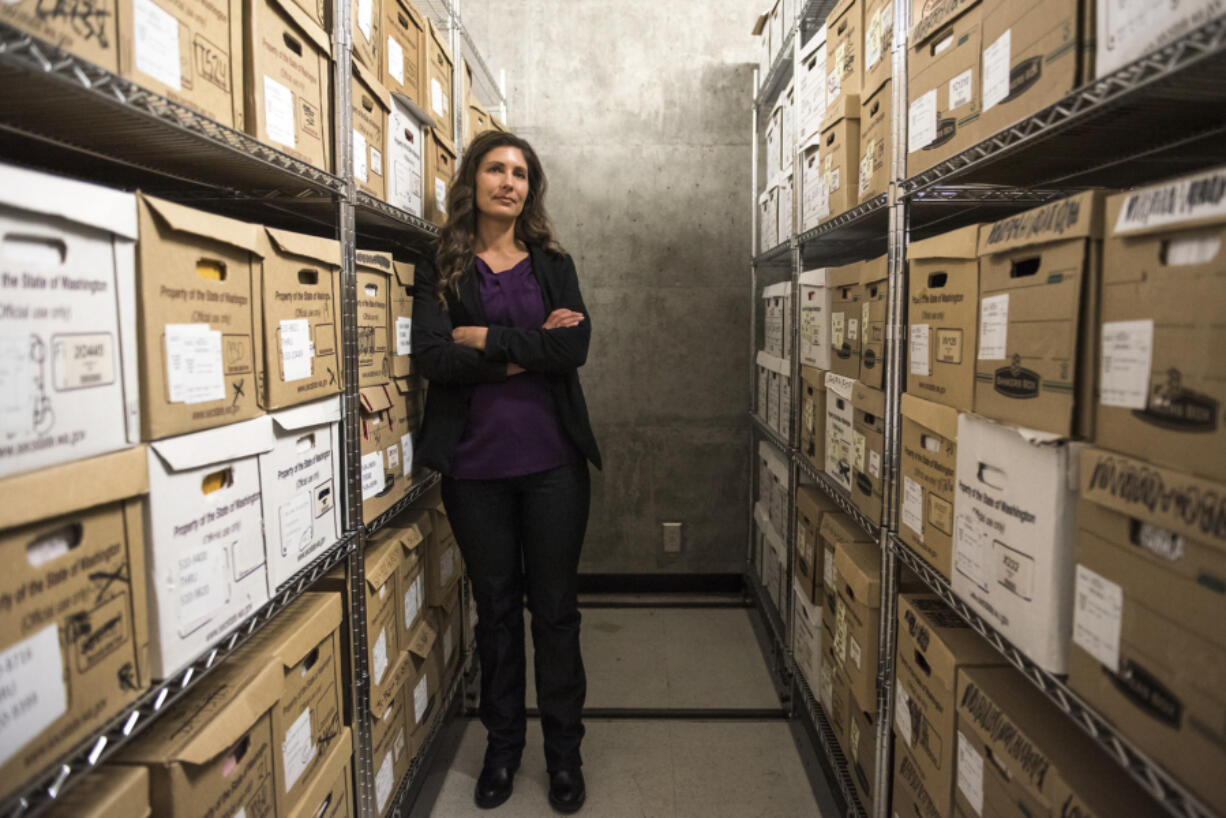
{"x": 780, "y": 290}
{"x": 931, "y": 628}
{"x": 325, "y": 251}
{"x": 938, "y": 15}
{"x": 33, "y": 496}
{"x": 191, "y": 451}
{"x": 374, "y": 399}
{"x": 307, "y": 415}
{"x": 440, "y": 41}
{"x": 839, "y": 528}
{"x": 1181, "y": 503}
{"x": 1177, "y": 204}
{"x": 405, "y": 272}
{"x": 859, "y": 572}
{"x": 781, "y": 366}
{"x": 406, "y": 385}
{"x": 308, "y": 26}
{"x": 319, "y": 789}
{"x": 382, "y": 556}
{"x": 760, "y": 25}
{"x": 867, "y": 399}
{"x": 376, "y": 88}
{"x": 814, "y": 278}
{"x": 839, "y": 10}
{"x": 306, "y": 624}
{"x": 443, "y": 142}
{"x": 774, "y": 460}
{"x": 420, "y": 114}
{"x": 874, "y": 270}
{"x": 370, "y": 261}
{"x": 840, "y": 385}
{"x": 58, "y": 197}
{"x": 816, "y": 40}
{"x": 422, "y": 639}
{"x": 813, "y": 502}
{"x": 935, "y": 417}
{"x": 843, "y": 276}
{"x": 410, "y": 11}
{"x": 1079, "y": 216}
{"x": 847, "y": 106}
{"x": 962, "y": 243}
{"x": 208, "y": 225}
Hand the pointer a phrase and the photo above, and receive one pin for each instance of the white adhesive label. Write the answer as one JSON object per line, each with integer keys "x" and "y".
{"x": 922, "y": 122}
{"x": 853, "y": 732}
{"x": 970, "y": 773}
{"x": 406, "y": 449}
{"x": 1127, "y": 359}
{"x": 297, "y": 524}
{"x": 913, "y": 506}
{"x": 825, "y": 685}
{"x": 840, "y": 632}
{"x": 970, "y": 542}
{"x": 195, "y": 372}
{"x": 960, "y": 89}
{"x": 393, "y": 456}
{"x": 440, "y": 195}
{"x": 201, "y": 584}
{"x": 395, "y": 60}
{"x": 359, "y": 157}
{"x": 372, "y": 475}
{"x": 421, "y": 699}
{"x": 1098, "y": 615}
{"x": 378, "y": 657}
{"x": 383, "y": 782}
{"x": 921, "y": 354}
{"x": 376, "y": 161}
{"x": 861, "y": 449}
{"x": 437, "y": 101}
{"x": 837, "y": 329}
{"x": 279, "y": 112}
{"x": 834, "y": 87}
{"x": 298, "y": 749}
{"x": 872, "y": 38}
{"x": 16, "y": 384}
{"x": 853, "y": 329}
{"x": 82, "y": 361}
{"x": 404, "y": 335}
{"x": 993, "y": 327}
{"x": 155, "y": 38}
{"x": 1174, "y": 203}
{"x": 399, "y": 745}
{"x": 1160, "y": 542}
{"x": 829, "y": 574}
{"x": 996, "y": 63}
{"x": 32, "y": 693}
{"x": 874, "y": 464}
{"x": 297, "y": 350}
{"x": 366, "y": 17}
{"x": 412, "y": 605}
{"x": 242, "y": 813}
{"x": 902, "y": 712}
{"x": 853, "y": 650}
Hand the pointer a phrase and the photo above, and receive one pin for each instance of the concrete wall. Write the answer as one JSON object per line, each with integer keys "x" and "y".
{"x": 640, "y": 113}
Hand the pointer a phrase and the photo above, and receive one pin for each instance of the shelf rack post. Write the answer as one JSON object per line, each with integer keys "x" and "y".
{"x": 754, "y": 488}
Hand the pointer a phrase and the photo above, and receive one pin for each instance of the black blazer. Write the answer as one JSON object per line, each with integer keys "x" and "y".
{"x": 453, "y": 370}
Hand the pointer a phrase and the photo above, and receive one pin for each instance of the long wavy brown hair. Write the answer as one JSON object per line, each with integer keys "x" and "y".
{"x": 454, "y": 253}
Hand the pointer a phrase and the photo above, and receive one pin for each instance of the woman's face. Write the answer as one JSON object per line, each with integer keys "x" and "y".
{"x": 502, "y": 183}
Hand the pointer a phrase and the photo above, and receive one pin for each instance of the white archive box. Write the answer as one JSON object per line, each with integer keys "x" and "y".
{"x": 1014, "y": 534}
{"x": 786, "y": 208}
{"x": 205, "y": 524}
{"x": 406, "y": 155}
{"x": 300, "y": 482}
{"x": 811, "y": 99}
{"x": 814, "y": 202}
{"x": 777, "y": 301}
{"x": 776, "y": 501}
{"x": 68, "y": 362}
{"x": 815, "y": 302}
{"x": 1130, "y": 29}
{"x": 840, "y": 436}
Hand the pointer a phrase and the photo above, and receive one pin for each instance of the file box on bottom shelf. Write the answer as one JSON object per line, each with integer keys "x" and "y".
{"x": 287, "y": 99}
{"x": 444, "y": 566}
{"x": 424, "y": 698}
{"x": 73, "y": 649}
{"x": 446, "y": 620}
{"x": 807, "y": 635}
{"x": 407, "y": 143}
{"x": 868, "y": 426}
{"x": 404, "y": 57}
{"x": 1164, "y": 283}
{"x": 374, "y": 277}
{"x": 109, "y": 791}
{"x": 299, "y": 483}
{"x": 840, "y": 435}
{"x": 942, "y": 317}
{"x": 207, "y": 569}
{"x": 413, "y": 531}
{"x": 840, "y": 156}
{"x": 816, "y": 297}
{"x": 1018, "y": 755}
{"x": 194, "y": 374}
{"x": 1013, "y": 534}
{"x": 873, "y": 275}
{"x": 861, "y": 748}
{"x": 440, "y": 170}
{"x": 928, "y": 459}
{"x": 858, "y": 609}
{"x": 845, "y": 315}
{"x": 329, "y": 793}
{"x": 1149, "y": 650}
{"x": 69, "y": 386}
{"x": 371, "y": 104}
{"x": 391, "y": 750}
{"x": 298, "y": 325}
{"x": 944, "y": 89}
{"x": 813, "y": 416}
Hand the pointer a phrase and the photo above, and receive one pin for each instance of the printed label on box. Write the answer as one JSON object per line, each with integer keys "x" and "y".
{"x": 920, "y": 350}
{"x": 853, "y": 329}
{"x": 853, "y": 650}
{"x": 853, "y": 732}
{"x": 902, "y": 712}
{"x": 297, "y": 524}
{"x": 949, "y": 346}
{"x": 155, "y": 35}
{"x": 195, "y": 372}
{"x": 1185, "y": 200}
{"x": 412, "y": 604}
{"x": 840, "y": 632}
{"x": 201, "y": 585}
{"x": 406, "y": 448}
{"x": 383, "y": 782}
{"x": 366, "y": 15}
{"x": 922, "y": 122}
{"x": 393, "y": 457}
{"x": 32, "y": 692}
{"x": 1014, "y": 570}
{"x": 836, "y": 329}
{"x": 421, "y": 699}
{"x": 378, "y": 658}
{"x": 440, "y": 195}
{"x": 16, "y": 379}
{"x": 376, "y": 161}
{"x": 829, "y": 574}
{"x": 298, "y": 749}
{"x": 395, "y": 60}
{"x": 970, "y": 773}
{"x": 1127, "y": 359}
{"x": 297, "y": 349}
{"x": 970, "y": 540}
{"x": 437, "y": 102}
{"x": 82, "y": 361}
{"x": 404, "y": 335}
{"x": 996, "y": 64}
{"x": 372, "y": 475}
{"x": 359, "y": 157}
{"x": 960, "y": 89}
{"x": 278, "y": 112}
{"x": 399, "y": 745}
{"x": 874, "y": 464}
{"x": 993, "y": 327}
{"x": 1098, "y": 614}
{"x": 913, "y": 506}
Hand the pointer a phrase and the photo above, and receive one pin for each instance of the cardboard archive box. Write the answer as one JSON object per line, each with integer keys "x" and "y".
{"x": 476, "y": 121}
{"x": 440, "y": 169}
{"x": 868, "y": 426}
{"x": 776, "y": 468}
{"x": 298, "y": 323}
{"x": 211, "y": 753}
{"x": 69, "y": 385}
{"x": 786, "y": 209}
{"x": 840, "y": 434}
{"x": 772, "y": 135}
{"x": 97, "y": 42}
{"x": 840, "y": 153}
{"x": 845, "y": 314}
{"x": 207, "y": 569}
{"x": 858, "y": 612}
{"x": 404, "y": 57}
{"x": 413, "y": 534}
{"x": 878, "y": 46}
{"x": 437, "y": 78}
{"x": 382, "y": 472}
{"x": 443, "y": 562}
{"x": 774, "y": 569}
{"x": 807, "y": 636}
{"x": 328, "y": 794}
{"x": 408, "y": 410}
{"x": 446, "y": 619}
{"x": 816, "y": 298}
{"x": 1038, "y": 302}
{"x": 109, "y": 791}
{"x": 876, "y": 150}
{"x": 776, "y": 298}
{"x": 1130, "y": 29}
{"x": 814, "y": 203}
{"x": 190, "y": 53}
{"x": 406, "y": 156}
{"x": 934, "y": 646}
{"x": 390, "y": 747}
{"x": 424, "y": 699}
{"x": 197, "y": 356}
{"x": 813, "y": 416}
{"x": 366, "y": 30}
{"x": 942, "y": 317}
{"x": 811, "y": 505}
{"x": 944, "y": 95}
{"x": 873, "y": 275}
{"x": 909, "y": 799}
{"x": 287, "y": 96}
{"x": 383, "y": 604}
{"x": 374, "y": 274}
{"x": 811, "y": 87}
{"x": 1018, "y": 756}
{"x": 1149, "y": 649}
{"x": 300, "y": 482}
{"x": 763, "y": 387}
{"x": 778, "y": 392}
{"x": 861, "y": 747}
{"x": 371, "y": 105}
{"x": 927, "y": 464}
{"x": 1162, "y": 390}
{"x": 74, "y": 643}
{"x": 1013, "y": 534}
{"x": 844, "y": 55}
{"x": 400, "y": 333}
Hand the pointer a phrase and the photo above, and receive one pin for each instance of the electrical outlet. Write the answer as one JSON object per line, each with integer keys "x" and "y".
{"x": 671, "y": 534}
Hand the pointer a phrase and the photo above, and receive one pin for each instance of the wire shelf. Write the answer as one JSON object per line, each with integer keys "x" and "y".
{"x": 1172, "y": 795}
{"x": 836, "y": 493}
{"x": 485, "y": 85}
{"x": 829, "y": 746}
{"x": 416, "y": 492}
{"x": 768, "y": 432}
{"x": 376, "y": 219}
{"x": 776, "y": 78}
{"x": 777, "y": 256}
{"x": 854, "y": 234}
{"x": 42, "y": 790}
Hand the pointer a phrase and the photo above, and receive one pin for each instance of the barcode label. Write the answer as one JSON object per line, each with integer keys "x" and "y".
{"x": 1192, "y": 198}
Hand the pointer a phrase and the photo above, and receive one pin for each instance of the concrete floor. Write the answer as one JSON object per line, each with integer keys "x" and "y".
{"x": 654, "y": 659}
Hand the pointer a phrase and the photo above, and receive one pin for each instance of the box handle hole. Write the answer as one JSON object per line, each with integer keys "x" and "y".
{"x": 53, "y": 545}
{"x": 236, "y": 757}
{"x": 938, "y": 280}
{"x": 371, "y": 290}
{"x": 292, "y": 44}
{"x": 43, "y": 251}
{"x": 991, "y": 476}
{"x": 1024, "y": 268}
{"x": 306, "y": 443}
{"x": 310, "y": 660}
{"x": 931, "y": 443}
{"x": 942, "y": 41}
{"x": 217, "y": 481}
{"x": 211, "y": 269}
{"x": 308, "y": 278}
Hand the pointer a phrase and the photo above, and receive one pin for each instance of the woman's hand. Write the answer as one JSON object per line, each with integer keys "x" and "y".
{"x": 470, "y": 336}
{"x": 563, "y": 318}
{"x": 515, "y": 369}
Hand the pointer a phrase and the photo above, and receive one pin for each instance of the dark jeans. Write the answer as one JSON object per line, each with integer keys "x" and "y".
{"x": 524, "y": 534}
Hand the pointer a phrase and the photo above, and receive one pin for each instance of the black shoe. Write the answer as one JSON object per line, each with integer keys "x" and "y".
{"x": 494, "y": 786}
{"x": 566, "y": 792}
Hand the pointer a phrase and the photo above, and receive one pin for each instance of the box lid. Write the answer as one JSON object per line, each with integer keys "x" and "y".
{"x": 842, "y": 276}
{"x": 439, "y": 41}
{"x": 319, "y": 789}
{"x": 370, "y": 261}
{"x": 304, "y": 416}
{"x": 111, "y": 210}
{"x": 415, "y": 533}
{"x": 307, "y": 623}
{"x": 840, "y": 385}
{"x": 816, "y": 40}
{"x": 382, "y": 556}
{"x": 1079, "y": 216}
{"x": 407, "y": 385}
{"x": 780, "y": 366}
{"x": 867, "y": 399}
{"x": 962, "y": 243}
{"x": 374, "y": 399}
{"x": 1178, "y": 204}
{"x": 814, "y": 278}
{"x": 813, "y": 502}
{"x": 309, "y": 27}
{"x": 781, "y": 290}
{"x": 443, "y": 142}
{"x": 68, "y": 487}
{"x": 377, "y": 90}
{"x": 208, "y": 225}
{"x": 422, "y": 639}
{"x": 875, "y": 269}
{"x": 401, "y": 104}
{"x": 839, "y": 10}
{"x": 760, "y": 25}
{"x": 847, "y": 106}
{"x": 404, "y": 271}
{"x": 859, "y": 571}
{"x": 774, "y": 460}
{"x": 415, "y": 17}
{"x": 325, "y": 251}
{"x": 939, "y": 15}
{"x": 929, "y": 627}
{"x": 109, "y": 791}
{"x": 935, "y": 417}
{"x": 840, "y": 529}
{"x": 246, "y": 438}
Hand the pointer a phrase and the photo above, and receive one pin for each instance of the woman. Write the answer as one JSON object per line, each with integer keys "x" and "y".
{"x": 500, "y": 330}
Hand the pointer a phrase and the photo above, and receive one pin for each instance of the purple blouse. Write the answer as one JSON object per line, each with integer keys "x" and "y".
{"x": 513, "y": 427}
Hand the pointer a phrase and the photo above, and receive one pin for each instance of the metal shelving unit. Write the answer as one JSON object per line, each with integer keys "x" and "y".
{"x": 824, "y": 737}
{"x": 770, "y": 434}
{"x": 416, "y": 492}
{"x": 836, "y": 493}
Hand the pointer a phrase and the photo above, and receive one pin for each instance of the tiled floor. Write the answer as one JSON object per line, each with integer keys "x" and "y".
{"x": 654, "y": 659}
